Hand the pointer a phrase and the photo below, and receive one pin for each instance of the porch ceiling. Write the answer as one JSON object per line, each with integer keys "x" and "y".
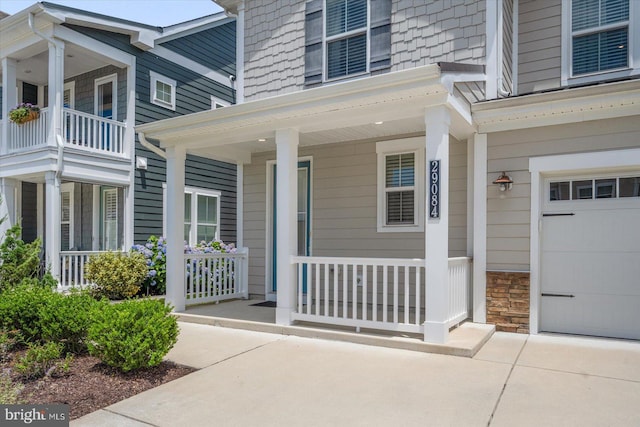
{"x": 342, "y": 112}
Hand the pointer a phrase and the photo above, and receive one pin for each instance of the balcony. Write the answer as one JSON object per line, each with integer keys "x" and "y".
{"x": 80, "y": 131}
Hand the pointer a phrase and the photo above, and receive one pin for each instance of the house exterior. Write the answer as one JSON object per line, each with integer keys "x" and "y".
{"x": 78, "y": 176}
{"x": 406, "y": 166}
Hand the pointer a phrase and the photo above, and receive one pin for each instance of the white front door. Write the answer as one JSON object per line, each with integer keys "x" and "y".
{"x": 590, "y": 256}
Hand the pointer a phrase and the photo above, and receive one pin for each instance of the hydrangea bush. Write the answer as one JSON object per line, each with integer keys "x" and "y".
{"x": 155, "y": 252}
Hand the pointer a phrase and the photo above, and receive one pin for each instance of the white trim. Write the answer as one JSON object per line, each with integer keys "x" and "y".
{"x": 239, "y": 205}
{"x": 71, "y": 87}
{"x": 193, "y": 191}
{"x": 192, "y": 65}
{"x": 116, "y": 56}
{"x": 480, "y": 228}
{"x": 40, "y": 210}
{"x": 268, "y": 259}
{"x": 195, "y": 26}
{"x": 218, "y": 103}
{"x": 491, "y": 49}
{"x": 581, "y": 163}
{"x": 401, "y": 146}
{"x": 67, "y": 188}
{"x": 470, "y": 194}
{"x": 103, "y": 214}
{"x": 633, "y": 66}
{"x": 113, "y": 79}
{"x": 515, "y": 45}
{"x": 154, "y": 78}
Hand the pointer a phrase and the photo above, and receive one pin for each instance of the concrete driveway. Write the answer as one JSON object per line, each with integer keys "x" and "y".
{"x": 257, "y": 379}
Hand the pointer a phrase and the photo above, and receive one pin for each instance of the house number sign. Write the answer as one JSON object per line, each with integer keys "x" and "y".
{"x": 434, "y": 189}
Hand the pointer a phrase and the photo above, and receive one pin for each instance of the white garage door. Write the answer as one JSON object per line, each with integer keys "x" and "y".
{"x": 590, "y": 260}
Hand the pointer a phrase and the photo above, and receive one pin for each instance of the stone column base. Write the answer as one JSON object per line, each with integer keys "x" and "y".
{"x": 508, "y": 301}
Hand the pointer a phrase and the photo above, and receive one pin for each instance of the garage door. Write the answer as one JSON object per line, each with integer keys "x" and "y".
{"x": 590, "y": 256}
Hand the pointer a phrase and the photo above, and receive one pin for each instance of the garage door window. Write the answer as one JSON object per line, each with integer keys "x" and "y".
{"x": 589, "y": 189}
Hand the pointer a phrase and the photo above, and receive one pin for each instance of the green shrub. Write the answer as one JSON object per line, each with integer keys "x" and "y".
{"x": 18, "y": 260}
{"x": 43, "y": 360}
{"x": 9, "y": 391}
{"x": 132, "y": 335}
{"x": 8, "y": 341}
{"x": 21, "y": 307}
{"x": 116, "y": 275}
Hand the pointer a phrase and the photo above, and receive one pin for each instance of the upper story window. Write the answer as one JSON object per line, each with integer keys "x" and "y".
{"x": 346, "y": 31}
{"x": 599, "y": 40}
{"x": 218, "y": 103}
{"x": 163, "y": 91}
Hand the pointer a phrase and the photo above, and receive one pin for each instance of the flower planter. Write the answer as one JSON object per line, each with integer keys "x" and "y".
{"x": 24, "y": 113}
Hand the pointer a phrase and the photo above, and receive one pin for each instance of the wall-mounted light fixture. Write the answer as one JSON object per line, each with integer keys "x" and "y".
{"x": 504, "y": 182}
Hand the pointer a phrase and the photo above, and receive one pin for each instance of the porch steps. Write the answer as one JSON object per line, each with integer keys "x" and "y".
{"x": 464, "y": 341}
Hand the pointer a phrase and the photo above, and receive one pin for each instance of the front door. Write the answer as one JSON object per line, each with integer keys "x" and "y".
{"x": 105, "y": 106}
{"x": 304, "y": 216}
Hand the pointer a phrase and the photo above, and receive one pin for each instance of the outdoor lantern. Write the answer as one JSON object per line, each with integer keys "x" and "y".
{"x": 504, "y": 181}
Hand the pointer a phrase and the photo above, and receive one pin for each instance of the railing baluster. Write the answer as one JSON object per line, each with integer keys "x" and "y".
{"x": 385, "y": 290}
{"x": 317, "y": 289}
{"x": 308, "y": 286}
{"x": 406, "y": 294}
{"x": 345, "y": 292}
{"x": 418, "y": 286}
{"x": 395, "y": 294}
{"x": 326, "y": 289}
{"x": 335, "y": 290}
{"x": 300, "y": 287}
{"x": 374, "y": 294}
{"x": 364, "y": 291}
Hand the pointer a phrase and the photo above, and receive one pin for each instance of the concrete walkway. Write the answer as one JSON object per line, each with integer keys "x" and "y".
{"x": 257, "y": 379}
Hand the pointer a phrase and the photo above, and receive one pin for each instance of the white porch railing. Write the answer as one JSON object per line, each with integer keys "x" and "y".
{"x": 216, "y": 276}
{"x": 72, "y": 268}
{"x": 460, "y": 274}
{"x": 87, "y": 131}
{"x": 28, "y": 135}
{"x": 376, "y": 293}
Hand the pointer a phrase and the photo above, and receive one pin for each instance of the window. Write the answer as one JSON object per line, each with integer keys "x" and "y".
{"x": 110, "y": 219}
{"x": 599, "y": 38}
{"x": 163, "y": 91}
{"x": 66, "y": 216}
{"x": 590, "y": 189}
{"x": 201, "y": 215}
{"x": 401, "y": 185}
{"x": 218, "y": 103}
{"x": 346, "y": 29}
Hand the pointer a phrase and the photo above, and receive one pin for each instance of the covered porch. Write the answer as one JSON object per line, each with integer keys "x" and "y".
{"x": 346, "y": 202}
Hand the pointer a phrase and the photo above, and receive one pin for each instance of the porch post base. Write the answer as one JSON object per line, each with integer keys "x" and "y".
{"x": 283, "y": 316}
{"x": 436, "y": 332}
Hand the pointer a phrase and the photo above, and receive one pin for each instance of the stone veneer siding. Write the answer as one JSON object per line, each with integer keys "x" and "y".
{"x": 508, "y": 301}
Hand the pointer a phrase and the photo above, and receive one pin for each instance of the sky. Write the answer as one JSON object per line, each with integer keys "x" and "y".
{"x": 153, "y": 12}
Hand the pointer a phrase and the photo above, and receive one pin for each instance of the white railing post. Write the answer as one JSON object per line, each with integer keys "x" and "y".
{"x": 245, "y": 274}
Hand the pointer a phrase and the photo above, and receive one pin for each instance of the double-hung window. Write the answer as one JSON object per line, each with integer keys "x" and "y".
{"x": 201, "y": 215}
{"x": 400, "y": 185}
{"x": 346, "y": 37}
{"x": 163, "y": 91}
{"x": 600, "y": 39}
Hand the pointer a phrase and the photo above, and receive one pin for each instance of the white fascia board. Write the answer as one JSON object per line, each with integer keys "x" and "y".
{"x": 176, "y": 58}
{"x": 354, "y": 90}
{"x": 121, "y": 58}
{"x": 611, "y": 159}
{"x": 28, "y": 163}
{"x": 184, "y": 29}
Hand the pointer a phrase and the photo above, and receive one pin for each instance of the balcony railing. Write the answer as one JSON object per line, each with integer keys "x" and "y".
{"x": 79, "y": 130}
{"x": 213, "y": 277}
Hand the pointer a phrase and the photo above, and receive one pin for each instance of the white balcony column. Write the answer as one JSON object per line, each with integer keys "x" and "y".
{"x": 480, "y": 228}
{"x": 56, "y": 90}
{"x": 436, "y": 330}
{"x": 286, "y": 223}
{"x": 8, "y": 189}
{"x": 176, "y": 157}
{"x": 9, "y": 97}
{"x": 52, "y": 222}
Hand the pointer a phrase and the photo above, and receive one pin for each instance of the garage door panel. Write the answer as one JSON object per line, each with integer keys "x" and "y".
{"x": 594, "y": 272}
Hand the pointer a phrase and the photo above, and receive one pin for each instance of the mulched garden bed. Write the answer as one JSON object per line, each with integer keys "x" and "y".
{"x": 90, "y": 385}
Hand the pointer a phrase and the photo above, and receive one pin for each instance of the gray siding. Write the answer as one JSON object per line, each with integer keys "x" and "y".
{"x": 193, "y": 94}
{"x": 539, "y": 51}
{"x": 213, "y": 48}
{"x": 85, "y": 90}
{"x": 424, "y": 33}
{"x": 508, "y": 219}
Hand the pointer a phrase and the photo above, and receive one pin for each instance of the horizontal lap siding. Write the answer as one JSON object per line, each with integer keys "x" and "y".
{"x": 193, "y": 94}
{"x": 539, "y": 39}
{"x": 508, "y": 219}
{"x": 344, "y": 207}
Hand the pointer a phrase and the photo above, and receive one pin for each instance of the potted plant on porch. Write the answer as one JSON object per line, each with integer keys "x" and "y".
{"x": 24, "y": 112}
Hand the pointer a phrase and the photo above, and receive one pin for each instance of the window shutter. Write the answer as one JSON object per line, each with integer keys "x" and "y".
{"x": 110, "y": 219}
{"x": 313, "y": 43}
{"x": 65, "y": 220}
{"x": 380, "y": 58}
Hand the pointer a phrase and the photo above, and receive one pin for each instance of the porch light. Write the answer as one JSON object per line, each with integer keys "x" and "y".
{"x": 262, "y": 139}
{"x": 378, "y": 123}
{"x": 504, "y": 182}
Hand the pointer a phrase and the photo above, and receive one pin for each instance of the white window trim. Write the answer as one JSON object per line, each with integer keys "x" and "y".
{"x": 326, "y": 40}
{"x": 155, "y": 77}
{"x": 566, "y": 73}
{"x": 218, "y": 103}
{"x": 103, "y": 215}
{"x": 113, "y": 78}
{"x": 68, "y": 188}
{"x": 71, "y": 87}
{"x": 402, "y": 146}
{"x": 194, "y": 191}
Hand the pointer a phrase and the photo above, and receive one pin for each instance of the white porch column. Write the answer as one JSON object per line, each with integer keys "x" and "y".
{"x": 176, "y": 157}
{"x": 56, "y": 90}
{"x": 480, "y": 228}
{"x": 239, "y": 205}
{"x": 9, "y": 97}
{"x": 52, "y": 222}
{"x": 436, "y": 252}
{"x": 130, "y": 142}
{"x": 8, "y": 204}
{"x": 287, "y": 232}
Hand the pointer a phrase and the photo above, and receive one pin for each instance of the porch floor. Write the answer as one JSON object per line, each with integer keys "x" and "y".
{"x": 465, "y": 340}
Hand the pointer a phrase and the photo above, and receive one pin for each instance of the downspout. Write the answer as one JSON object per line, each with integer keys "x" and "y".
{"x": 146, "y": 144}
{"x": 58, "y": 137}
{"x": 239, "y": 77}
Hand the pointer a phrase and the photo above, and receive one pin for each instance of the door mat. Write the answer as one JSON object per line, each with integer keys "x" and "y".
{"x": 271, "y": 304}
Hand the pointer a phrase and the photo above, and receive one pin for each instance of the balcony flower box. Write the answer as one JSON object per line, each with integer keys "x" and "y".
{"x": 24, "y": 113}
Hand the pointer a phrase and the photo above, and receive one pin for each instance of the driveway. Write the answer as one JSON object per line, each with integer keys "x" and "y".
{"x": 257, "y": 379}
